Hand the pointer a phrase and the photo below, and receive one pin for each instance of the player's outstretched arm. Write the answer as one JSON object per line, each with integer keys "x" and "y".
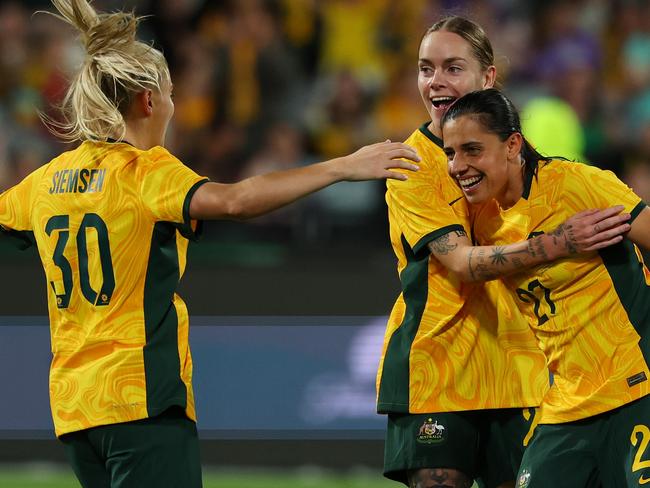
{"x": 585, "y": 231}
{"x": 261, "y": 194}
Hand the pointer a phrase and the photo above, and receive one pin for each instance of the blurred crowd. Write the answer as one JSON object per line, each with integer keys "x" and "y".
{"x": 262, "y": 85}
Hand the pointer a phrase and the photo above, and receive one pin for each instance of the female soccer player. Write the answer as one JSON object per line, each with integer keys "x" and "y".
{"x": 590, "y": 314}
{"x": 452, "y": 382}
{"x": 111, "y": 220}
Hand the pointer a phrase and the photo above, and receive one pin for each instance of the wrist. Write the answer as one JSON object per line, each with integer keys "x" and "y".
{"x": 337, "y": 168}
{"x": 554, "y": 248}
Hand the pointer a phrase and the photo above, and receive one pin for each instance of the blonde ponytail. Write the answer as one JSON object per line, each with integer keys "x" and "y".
{"x": 116, "y": 67}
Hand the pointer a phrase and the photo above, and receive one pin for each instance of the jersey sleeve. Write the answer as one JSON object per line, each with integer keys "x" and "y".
{"x": 167, "y": 189}
{"x": 422, "y": 209}
{"x": 16, "y": 210}
{"x": 591, "y": 187}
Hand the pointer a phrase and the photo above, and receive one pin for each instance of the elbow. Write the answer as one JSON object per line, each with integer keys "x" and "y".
{"x": 231, "y": 204}
{"x": 462, "y": 272}
{"x": 466, "y": 276}
{"x": 237, "y": 210}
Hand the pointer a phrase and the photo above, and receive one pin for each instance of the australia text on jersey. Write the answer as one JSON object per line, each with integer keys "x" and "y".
{"x": 78, "y": 181}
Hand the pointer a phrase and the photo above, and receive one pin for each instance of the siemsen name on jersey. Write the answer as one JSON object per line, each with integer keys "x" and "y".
{"x": 78, "y": 181}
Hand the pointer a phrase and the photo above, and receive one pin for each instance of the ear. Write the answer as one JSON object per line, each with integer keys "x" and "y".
{"x": 514, "y": 145}
{"x": 148, "y": 94}
{"x": 143, "y": 102}
{"x": 490, "y": 77}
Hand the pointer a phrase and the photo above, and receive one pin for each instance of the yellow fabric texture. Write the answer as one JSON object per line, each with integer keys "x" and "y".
{"x": 471, "y": 348}
{"x": 572, "y": 305}
{"x": 97, "y": 214}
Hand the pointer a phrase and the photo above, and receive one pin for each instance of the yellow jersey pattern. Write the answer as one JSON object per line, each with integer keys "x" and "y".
{"x": 590, "y": 313}
{"x": 443, "y": 350}
{"x": 111, "y": 223}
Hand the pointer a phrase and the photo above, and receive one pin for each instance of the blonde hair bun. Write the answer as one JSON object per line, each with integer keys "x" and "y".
{"x": 117, "y": 66}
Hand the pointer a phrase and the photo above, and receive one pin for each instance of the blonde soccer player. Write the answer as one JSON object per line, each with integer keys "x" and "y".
{"x": 111, "y": 220}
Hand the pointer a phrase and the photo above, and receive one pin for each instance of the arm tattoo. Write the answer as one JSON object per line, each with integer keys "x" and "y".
{"x": 565, "y": 231}
{"x": 538, "y": 248}
{"x": 487, "y": 268}
{"x": 498, "y": 256}
{"x": 469, "y": 264}
{"x": 442, "y": 246}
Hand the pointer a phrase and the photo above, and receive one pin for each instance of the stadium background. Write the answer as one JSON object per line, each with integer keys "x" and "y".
{"x": 287, "y": 310}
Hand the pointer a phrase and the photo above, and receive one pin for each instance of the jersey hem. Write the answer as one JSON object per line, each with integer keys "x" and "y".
{"x": 400, "y": 408}
{"x": 173, "y": 402}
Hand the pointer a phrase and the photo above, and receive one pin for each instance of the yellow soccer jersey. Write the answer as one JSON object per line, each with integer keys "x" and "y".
{"x": 111, "y": 223}
{"x": 590, "y": 313}
{"x": 443, "y": 350}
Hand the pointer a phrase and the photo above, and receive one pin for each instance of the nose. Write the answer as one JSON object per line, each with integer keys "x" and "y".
{"x": 456, "y": 165}
{"x": 436, "y": 80}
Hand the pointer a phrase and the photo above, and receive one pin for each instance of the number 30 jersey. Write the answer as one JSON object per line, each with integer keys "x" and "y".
{"x": 111, "y": 223}
{"x": 590, "y": 313}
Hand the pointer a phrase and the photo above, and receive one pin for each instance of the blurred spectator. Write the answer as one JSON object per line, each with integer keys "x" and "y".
{"x": 351, "y": 40}
{"x": 266, "y": 84}
{"x": 553, "y": 128}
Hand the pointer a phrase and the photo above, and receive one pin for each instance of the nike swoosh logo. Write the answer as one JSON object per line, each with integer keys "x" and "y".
{"x": 643, "y": 481}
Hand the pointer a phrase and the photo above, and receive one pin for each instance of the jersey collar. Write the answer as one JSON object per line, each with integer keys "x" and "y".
{"x": 429, "y": 135}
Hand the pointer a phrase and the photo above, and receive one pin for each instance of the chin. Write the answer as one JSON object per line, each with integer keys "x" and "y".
{"x": 474, "y": 199}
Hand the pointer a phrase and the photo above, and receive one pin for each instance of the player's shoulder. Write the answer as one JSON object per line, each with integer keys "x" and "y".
{"x": 429, "y": 148}
{"x": 567, "y": 173}
{"x": 157, "y": 156}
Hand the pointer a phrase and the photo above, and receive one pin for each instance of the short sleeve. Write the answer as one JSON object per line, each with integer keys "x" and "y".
{"x": 591, "y": 187}
{"x": 167, "y": 188}
{"x": 423, "y": 208}
{"x": 16, "y": 210}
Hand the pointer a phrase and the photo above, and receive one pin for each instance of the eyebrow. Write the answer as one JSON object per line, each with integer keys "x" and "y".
{"x": 446, "y": 61}
{"x": 470, "y": 144}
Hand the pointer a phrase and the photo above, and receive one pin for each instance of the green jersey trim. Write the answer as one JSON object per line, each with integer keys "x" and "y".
{"x": 186, "y": 227}
{"x": 634, "y": 213}
{"x": 424, "y": 128}
{"x": 432, "y": 236}
{"x": 394, "y": 385}
{"x": 628, "y": 277}
{"x": 164, "y": 385}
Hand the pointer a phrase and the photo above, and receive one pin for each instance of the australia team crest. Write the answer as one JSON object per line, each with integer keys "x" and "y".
{"x": 524, "y": 479}
{"x": 431, "y": 432}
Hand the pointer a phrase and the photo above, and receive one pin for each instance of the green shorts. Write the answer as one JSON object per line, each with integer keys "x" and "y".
{"x": 154, "y": 452}
{"x": 611, "y": 449}
{"x": 486, "y": 445}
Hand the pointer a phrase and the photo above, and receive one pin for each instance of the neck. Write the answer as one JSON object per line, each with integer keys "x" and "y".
{"x": 514, "y": 188}
{"x": 435, "y": 129}
{"x": 141, "y": 133}
{"x": 137, "y": 137}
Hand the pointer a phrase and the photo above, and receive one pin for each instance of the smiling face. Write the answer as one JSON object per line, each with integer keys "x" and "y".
{"x": 483, "y": 166}
{"x": 448, "y": 70}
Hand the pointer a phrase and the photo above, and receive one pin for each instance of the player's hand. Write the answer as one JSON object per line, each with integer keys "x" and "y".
{"x": 377, "y": 161}
{"x": 593, "y": 229}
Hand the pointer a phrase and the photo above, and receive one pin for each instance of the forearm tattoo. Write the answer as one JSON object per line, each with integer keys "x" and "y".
{"x": 484, "y": 266}
{"x": 441, "y": 245}
{"x": 438, "y": 478}
{"x": 565, "y": 231}
{"x": 536, "y": 248}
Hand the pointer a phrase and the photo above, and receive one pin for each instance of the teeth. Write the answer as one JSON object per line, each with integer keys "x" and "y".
{"x": 466, "y": 183}
{"x": 441, "y": 99}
